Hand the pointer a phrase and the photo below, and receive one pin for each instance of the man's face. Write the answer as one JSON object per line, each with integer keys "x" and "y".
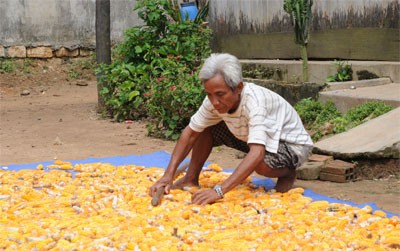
{"x": 222, "y": 97}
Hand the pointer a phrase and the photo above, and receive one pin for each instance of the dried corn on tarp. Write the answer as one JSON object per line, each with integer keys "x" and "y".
{"x": 105, "y": 206}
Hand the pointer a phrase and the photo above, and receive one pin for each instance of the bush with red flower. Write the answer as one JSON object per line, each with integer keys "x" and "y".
{"x": 154, "y": 70}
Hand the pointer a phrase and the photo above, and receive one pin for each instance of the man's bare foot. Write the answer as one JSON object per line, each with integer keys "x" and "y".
{"x": 182, "y": 182}
{"x": 285, "y": 183}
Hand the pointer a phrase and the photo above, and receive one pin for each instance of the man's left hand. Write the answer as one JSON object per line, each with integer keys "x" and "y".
{"x": 205, "y": 197}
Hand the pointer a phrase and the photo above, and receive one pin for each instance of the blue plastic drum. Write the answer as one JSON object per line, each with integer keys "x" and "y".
{"x": 188, "y": 10}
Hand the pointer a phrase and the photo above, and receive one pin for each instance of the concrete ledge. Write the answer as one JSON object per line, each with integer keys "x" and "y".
{"x": 318, "y": 71}
{"x": 344, "y": 99}
{"x": 331, "y": 86}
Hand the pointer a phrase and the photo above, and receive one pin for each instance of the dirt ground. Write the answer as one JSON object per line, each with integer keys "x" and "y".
{"x": 58, "y": 120}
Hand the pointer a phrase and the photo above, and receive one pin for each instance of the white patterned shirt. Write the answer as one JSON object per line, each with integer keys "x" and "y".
{"x": 263, "y": 117}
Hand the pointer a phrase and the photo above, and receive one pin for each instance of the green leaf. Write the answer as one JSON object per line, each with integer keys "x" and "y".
{"x": 138, "y": 49}
{"x": 133, "y": 94}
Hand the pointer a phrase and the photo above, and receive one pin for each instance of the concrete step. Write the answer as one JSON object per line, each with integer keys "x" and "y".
{"x": 346, "y": 98}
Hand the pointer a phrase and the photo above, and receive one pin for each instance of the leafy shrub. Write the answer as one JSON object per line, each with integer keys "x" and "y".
{"x": 322, "y": 119}
{"x": 125, "y": 92}
{"x": 162, "y": 55}
{"x": 344, "y": 72}
{"x": 174, "y": 96}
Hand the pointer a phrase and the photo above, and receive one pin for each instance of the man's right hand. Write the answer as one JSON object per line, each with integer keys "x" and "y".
{"x": 164, "y": 183}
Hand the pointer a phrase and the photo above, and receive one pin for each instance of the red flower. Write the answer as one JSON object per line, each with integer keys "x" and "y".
{"x": 172, "y": 88}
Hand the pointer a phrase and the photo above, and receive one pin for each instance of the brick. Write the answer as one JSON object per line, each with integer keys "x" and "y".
{"x": 16, "y": 52}
{"x": 320, "y": 158}
{"x": 338, "y": 167}
{"x": 64, "y": 52}
{"x": 39, "y": 52}
{"x": 309, "y": 170}
{"x": 2, "y": 52}
{"x": 336, "y": 177}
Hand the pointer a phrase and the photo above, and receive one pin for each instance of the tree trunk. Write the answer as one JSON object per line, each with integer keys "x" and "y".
{"x": 304, "y": 57}
{"x": 103, "y": 45}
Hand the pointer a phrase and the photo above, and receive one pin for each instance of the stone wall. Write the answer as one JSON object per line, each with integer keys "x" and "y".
{"x": 47, "y": 28}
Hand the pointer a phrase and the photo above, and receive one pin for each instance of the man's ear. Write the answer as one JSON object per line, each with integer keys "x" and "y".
{"x": 239, "y": 87}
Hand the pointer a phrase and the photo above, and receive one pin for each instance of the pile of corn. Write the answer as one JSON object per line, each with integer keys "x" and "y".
{"x": 104, "y": 207}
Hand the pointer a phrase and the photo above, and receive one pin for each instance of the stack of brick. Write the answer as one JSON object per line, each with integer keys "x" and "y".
{"x": 337, "y": 171}
{"x": 326, "y": 168}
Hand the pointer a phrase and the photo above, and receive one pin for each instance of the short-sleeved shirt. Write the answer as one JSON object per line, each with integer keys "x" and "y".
{"x": 263, "y": 117}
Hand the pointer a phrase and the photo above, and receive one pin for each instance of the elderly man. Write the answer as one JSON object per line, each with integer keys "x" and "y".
{"x": 243, "y": 116}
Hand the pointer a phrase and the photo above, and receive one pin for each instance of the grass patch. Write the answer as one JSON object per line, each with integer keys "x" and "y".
{"x": 11, "y": 66}
{"x": 7, "y": 66}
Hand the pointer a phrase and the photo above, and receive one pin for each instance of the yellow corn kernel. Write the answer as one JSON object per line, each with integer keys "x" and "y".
{"x": 379, "y": 213}
{"x": 215, "y": 167}
{"x": 297, "y": 190}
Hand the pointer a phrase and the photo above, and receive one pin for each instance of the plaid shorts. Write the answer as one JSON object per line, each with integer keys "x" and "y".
{"x": 285, "y": 157}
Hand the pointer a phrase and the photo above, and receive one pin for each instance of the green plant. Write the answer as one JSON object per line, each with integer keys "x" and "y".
{"x": 7, "y": 66}
{"x": 300, "y": 15}
{"x": 344, "y": 72}
{"x": 27, "y": 65}
{"x": 175, "y": 95}
{"x": 366, "y": 111}
{"x": 73, "y": 74}
{"x": 163, "y": 54}
{"x": 126, "y": 91}
{"x": 17, "y": 66}
{"x": 323, "y": 119}
{"x": 82, "y": 68}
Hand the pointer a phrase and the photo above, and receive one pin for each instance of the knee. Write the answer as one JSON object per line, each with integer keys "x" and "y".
{"x": 264, "y": 170}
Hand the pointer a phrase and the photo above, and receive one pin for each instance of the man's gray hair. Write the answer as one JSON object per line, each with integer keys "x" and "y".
{"x": 227, "y": 65}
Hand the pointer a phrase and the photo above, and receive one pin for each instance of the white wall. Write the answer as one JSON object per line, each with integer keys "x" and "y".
{"x": 60, "y": 23}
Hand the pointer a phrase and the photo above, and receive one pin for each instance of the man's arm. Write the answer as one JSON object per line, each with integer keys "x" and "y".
{"x": 245, "y": 168}
{"x": 181, "y": 150}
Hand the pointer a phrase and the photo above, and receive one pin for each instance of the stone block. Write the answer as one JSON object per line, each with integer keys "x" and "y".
{"x": 16, "y": 52}
{"x": 2, "y": 52}
{"x": 309, "y": 170}
{"x": 39, "y": 52}
{"x": 64, "y": 52}
{"x": 85, "y": 53}
{"x": 320, "y": 158}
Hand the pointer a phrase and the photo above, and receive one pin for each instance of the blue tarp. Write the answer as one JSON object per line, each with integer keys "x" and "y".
{"x": 161, "y": 159}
